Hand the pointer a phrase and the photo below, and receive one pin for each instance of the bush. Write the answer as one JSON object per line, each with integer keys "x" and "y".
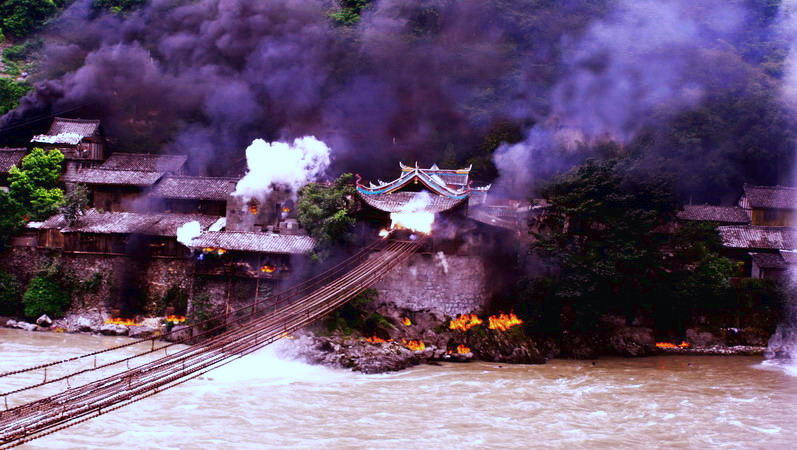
{"x": 21, "y": 17}
{"x": 9, "y": 295}
{"x": 10, "y": 93}
{"x": 45, "y": 296}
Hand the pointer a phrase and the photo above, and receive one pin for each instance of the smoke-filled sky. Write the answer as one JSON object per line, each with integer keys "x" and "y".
{"x": 413, "y": 80}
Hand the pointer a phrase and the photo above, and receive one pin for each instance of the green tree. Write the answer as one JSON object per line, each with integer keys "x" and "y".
{"x": 10, "y": 93}
{"x": 116, "y": 6}
{"x": 349, "y": 11}
{"x": 45, "y": 295}
{"x": 34, "y": 185}
{"x": 326, "y": 213}
{"x": 9, "y": 295}
{"x": 22, "y": 17}
{"x": 11, "y": 219}
{"x": 75, "y": 203}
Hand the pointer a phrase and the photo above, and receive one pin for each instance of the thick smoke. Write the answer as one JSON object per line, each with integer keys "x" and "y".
{"x": 279, "y": 164}
{"x": 207, "y": 77}
{"x": 629, "y": 69}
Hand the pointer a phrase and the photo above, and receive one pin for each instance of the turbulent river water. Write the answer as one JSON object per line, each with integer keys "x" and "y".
{"x": 264, "y": 401}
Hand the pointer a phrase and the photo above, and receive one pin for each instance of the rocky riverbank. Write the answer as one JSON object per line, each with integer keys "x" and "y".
{"x": 403, "y": 338}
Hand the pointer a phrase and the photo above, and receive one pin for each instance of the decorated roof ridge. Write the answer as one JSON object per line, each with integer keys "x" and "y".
{"x": 431, "y": 181}
{"x": 435, "y": 168}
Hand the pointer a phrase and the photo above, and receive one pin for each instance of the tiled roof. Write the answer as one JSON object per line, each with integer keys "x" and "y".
{"x": 711, "y": 213}
{"x": 255, "y": 242}
{"x": 504, "y": 217}
{"x": 115, "y": 177}
{"x": 769, "y": 260}
{"x": 399, "y": 201}
{"x": 10, "y": 157}
{"x": 68, "y": 131}
{"x": 758, "y": 237}
{"x": 199, "y": 188}
{"x": 781, "y": 197}
{"x": 144, "y": 162}
{"x": 93, "y": 221}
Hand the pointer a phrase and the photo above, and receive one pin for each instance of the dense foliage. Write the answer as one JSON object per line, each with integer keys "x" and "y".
{"x": 116, "y": 6}
{"x": 75, "y": 203}
{"x": 325, "y": 212}
{"x": 10, "y": 93}
{"x": 607, "y": 233}
{"x": 45, "y": 295}
{"x": 10, "y": 295}
{"x": 22, "y": 17}
{"x": 34, "y": 186}
{"x": 354, "y": 316}
{"x": 349, "y": 11}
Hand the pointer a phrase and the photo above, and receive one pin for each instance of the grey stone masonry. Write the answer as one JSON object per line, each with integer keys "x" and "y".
{"x": 451, "y": 284}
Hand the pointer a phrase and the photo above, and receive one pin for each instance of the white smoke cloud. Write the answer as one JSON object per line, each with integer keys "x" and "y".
{"x": 419, "y": 202}
{"x": 188, "y": 232}
{"x": 280, "y": 164}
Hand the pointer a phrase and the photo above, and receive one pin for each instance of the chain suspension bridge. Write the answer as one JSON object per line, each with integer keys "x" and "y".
{"x": 215, "y": 342}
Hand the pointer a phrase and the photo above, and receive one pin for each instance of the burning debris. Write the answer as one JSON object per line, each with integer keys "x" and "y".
{"x": 503, "y": 322}
{"x": 375, "y": 340}
{"x": 416, "y": 346}
{"x": 465, "y": 322}
{"x": 268, "y": 268}
{"x": 121, "y": 321}
{"x": 460, "y": 350}
{"x": 175, "y": 320}
{"x": 668, "y": 345}
{"x": 406, "y": 321}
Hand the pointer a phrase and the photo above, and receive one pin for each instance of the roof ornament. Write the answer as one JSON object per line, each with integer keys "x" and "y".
{"x": 434, "y": 167}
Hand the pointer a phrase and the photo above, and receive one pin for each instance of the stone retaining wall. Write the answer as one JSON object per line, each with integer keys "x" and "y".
{"x": 451, "y": 284}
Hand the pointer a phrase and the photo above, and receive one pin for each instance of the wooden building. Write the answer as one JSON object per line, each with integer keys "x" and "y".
{"x": 119, "y": 184}
{"x": 721, "y": 215}
{"x": 9, "y": 157}
{"x": 120, "y": 233}
{"x": 184, "y": 194}
{"x": 770, "y": 205}
{"x": 81, "y": 142}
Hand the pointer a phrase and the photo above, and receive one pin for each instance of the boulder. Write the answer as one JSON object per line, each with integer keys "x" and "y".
{"x": 703, "y": 338}
{"x": 110, "y": 329}
{"x": 632, "y": 341}
{"x": 85, "y": 324}
{"x": 142, "y": 331}
{"x": 44, "y": 321}
{"x": 26, "y": 326}
{"x": 179, "y": 332}
{"x": 511, "y": 346}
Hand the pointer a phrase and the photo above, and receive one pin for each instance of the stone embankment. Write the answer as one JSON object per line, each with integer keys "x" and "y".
{"x": 78, "y": 323}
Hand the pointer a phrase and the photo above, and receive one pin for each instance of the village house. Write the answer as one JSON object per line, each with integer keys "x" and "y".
{"x": 769, "y": 205}
{"x": 81, "y": 142}
{"x": 111, "y": 233}
{"x": 119, "y": 184}
{"x": 9, "y": 157}
{"x": 186, "y": 194}
{"x": 721, "y": 215}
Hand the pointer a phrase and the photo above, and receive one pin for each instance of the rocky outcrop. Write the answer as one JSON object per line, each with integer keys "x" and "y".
{"x": 44, "y": 321}
{"x": 632, "y": 341}
{"x": 511, "y": 346}
{"x": 22, "y": 325}
{"x": 355, "y": 354}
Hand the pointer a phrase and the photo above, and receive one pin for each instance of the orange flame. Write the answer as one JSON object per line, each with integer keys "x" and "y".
{"x": 220, "y": 251}
{"x": 683, "y": 344}
{"x": 175, "y": 319}
{"x": 285, "y": 210}
{"x": 120, "y": 321}
{"x": 375, "y": 340}
{"x": 407, "y": 322}
{"x": 461, "y": 350}
{"x": 504, "y": 322}
{"x": 465, "y": 322}
{"x": 268, "y": 268}
{"x": 253, "y": 208}
{"x": 416, "y": 346}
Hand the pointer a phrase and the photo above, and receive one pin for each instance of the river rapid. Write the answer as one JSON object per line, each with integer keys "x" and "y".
{"x": 264, "y": 401}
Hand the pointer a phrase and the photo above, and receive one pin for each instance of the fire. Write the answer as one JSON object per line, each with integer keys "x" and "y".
{"x": 383, "y": 233}
{"x": 461, "y": 350}
{"x": 375, "y": 340}
{"x": 416, "y": 346}
{"x": 504, "y": 322}
{"x": 416, "y": 221}
{"x": 286, "y": 210}
{"x": 268, "y": 268}
{"x": 253, "y": 208}
{"x": 465, "y": 322}
{"x": 683, "y": 344}
{"x": 220, "y": 251}
{"x": 175, "y": 319}
{"x": 407, "y": 322}
{"x": 120, "y": 321}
